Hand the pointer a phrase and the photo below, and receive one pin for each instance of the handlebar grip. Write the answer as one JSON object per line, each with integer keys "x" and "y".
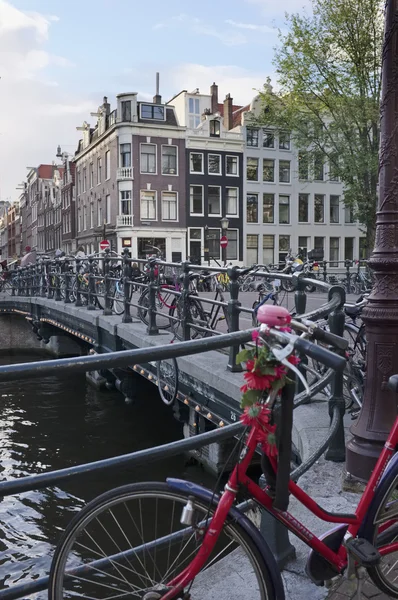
{"x": 326, "y": 357}
{"x": 330, "y": 338}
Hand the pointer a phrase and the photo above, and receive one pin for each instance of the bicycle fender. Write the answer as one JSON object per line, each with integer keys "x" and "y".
{"x": 207, "y": 495}
{"x": 390, "y": 473}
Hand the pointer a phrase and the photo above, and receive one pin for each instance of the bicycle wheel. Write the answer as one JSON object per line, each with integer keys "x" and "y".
{"x": 287, "y": 285}
{"x": 100, "y": 293}
{"x": 118, "y": 301}
{"x": 109, "y": 550}
{"x": 197, "y": 316}
{"x": 167, "y": 374}
{"x": 162, "y": 320}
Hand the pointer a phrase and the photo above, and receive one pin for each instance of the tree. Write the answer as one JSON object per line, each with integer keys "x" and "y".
{"x": 329, "y": 79}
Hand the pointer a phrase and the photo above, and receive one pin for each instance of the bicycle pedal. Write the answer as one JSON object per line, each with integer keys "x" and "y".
{"x": 363, "y": 552}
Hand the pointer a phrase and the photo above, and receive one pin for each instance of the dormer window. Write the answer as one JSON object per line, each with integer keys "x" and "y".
{"x": 152, "y": 111}
{"x": 126, "y": 110}
{"x": 215, "y": 128}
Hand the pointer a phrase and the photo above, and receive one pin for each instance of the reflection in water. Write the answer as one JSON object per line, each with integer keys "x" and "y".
{"x": 59, "y": 422}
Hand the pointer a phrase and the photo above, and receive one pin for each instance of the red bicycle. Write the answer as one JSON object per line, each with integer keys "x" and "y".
{"x": 178, "y": 540}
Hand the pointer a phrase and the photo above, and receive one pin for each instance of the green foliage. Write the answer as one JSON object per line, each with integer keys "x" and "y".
{"x": 329, "y": 78}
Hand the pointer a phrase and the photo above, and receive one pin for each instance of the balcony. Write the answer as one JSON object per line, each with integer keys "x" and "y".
{"x": 124, "y": 220}
{"x": 124, "y": 173}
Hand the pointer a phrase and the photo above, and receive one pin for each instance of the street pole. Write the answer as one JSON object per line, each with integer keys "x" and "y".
{"x": 381, "y": 314}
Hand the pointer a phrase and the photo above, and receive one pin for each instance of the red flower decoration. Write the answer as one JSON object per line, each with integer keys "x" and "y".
{"x": 257, "y": 381}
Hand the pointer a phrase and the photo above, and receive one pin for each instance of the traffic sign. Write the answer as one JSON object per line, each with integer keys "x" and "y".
{"x": 224, "y": 241}
{"x": 104, "y": 245}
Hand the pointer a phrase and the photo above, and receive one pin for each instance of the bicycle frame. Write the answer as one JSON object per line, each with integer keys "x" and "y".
{"x": 239, "y": 479}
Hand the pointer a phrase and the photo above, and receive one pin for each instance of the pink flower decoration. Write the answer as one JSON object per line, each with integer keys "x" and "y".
{"x": 255, "y": 335}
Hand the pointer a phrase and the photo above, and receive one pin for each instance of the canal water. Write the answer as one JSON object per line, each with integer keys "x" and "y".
{"x": 59, "y": 422}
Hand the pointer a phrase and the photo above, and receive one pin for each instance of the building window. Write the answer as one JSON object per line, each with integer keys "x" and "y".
{"x": 268, "y": 139}
{"x": 319, "y": 208}
{"x": 152, "y": 111}
{"x": 107, "y": 164}
{"x": 196, "y": 199}
{"x": 303, "y": 208}
{"x": 214, "y": 164}
{"x": 214, "y": 199}
{"x": 148, "y": 205}
{"x": 284, "y": 171}
{"x": 362, "y": 248}
{"x": 268, "y": 208}
{"x": 284, "y": 210}
{"x": 268, "y": 170}
{"x": 169, "y": 206}
{"x": 303, "y": 247}
{"x": 252, "y": 169}
{"x": 91, "y": 175}
{"x": 231, "y": 202}
{"x": 99, "y": 170}
{"x": 213, "y": 240}
{"x": 232, "y": 165}
{"x": 348, "y": 215}
{"x": 99, "y": 214}
{"x": 148, "y": 158}
{"x": 232, "y": 248}
{"x": 319, "y": 244}
{"x": 318, "y": 167}
{"x": 284, "y": 245}
{"x": 108, "y": 208}
{"x": 196, "y": 162}
{"x": 284, "y": 140}
{"x": 169, "y": 160}
{"x": 334, "y": 209}
{"x": 251, "y": 137}
{"x": 125, "y": 203}
{"x": 125, "y": 155}
{"x": 334, "y": 252}
{"x": 126, "y": 110}
{"x": 84, "y": 217}
{"x": 333, "y": 167}
{"x": 251, "y": 249}
{"x": 303, "y": 165}
{"x": 214, "y": 128}
{"x": 84, "y": 179}
{"x": 268, "y": 249}
{"x": 194, "y": 112}
{"x": 91, "y": 216}
{"x": 251, "y": 208}
{"x": 349, "y": 248}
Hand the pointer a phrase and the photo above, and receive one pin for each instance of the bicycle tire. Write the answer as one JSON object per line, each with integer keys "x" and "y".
{"x": 143, "y": 310}
{"x": 196, "y": 311}
{"x": 167, "y": 376}
{"x": 287, "y": 285}
{"x": 95, "y": 512}
{"x": 118, "y": 302}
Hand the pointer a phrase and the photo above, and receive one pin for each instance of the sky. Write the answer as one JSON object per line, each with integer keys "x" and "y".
{"x": 58, "y": 60}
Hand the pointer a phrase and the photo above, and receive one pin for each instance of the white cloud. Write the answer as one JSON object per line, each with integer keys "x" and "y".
{"x": 278, "y": 9}
{"x": 201, "y": 27}
{"x": 251, "y": 26}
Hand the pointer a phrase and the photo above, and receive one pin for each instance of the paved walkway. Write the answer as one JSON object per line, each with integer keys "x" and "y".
{"x": 346, "y": 590}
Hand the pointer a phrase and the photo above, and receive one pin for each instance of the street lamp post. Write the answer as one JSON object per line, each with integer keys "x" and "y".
{"x": 224, "y": 231}
{"x": 381, "y": 314}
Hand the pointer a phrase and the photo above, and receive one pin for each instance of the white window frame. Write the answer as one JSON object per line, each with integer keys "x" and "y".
{"x": 107, "y": 165}
{"x": 237, "y": 243}
{"x": 196, "y": 172}
{"x": 208, "y": 163}
{"x": 156, "y": 159}
{"x": 150, "y": 118}
{"x": 100, "y": 221}
{"x": 237, "y": 165}
{"x": 208, "y": 205}
{"x": 156, "y": 205}
{"x": 108, "y": 209}
{"x": 123, "y": 153}
{"x": 283, "y": 160}
{"x": 176, "y": 197}
{"x": 161, "y": 159}
{"x": 125, "y": 200}
{"x": 227, "y": 214}
{"x": 99, "y": 169}
{"x": 212, "y": 257}
{"x": 192, "y": 214}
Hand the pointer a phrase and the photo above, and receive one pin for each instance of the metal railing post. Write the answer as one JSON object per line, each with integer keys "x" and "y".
{"x": 91, "y": 285}
{"x": 42, "y": 278}
{"x": 233, "y": 318}
{"x": 66, "y": 275}
{"x": 126, "y": 286}
{"x": 107, "y": 284}
{"x": 58, "y": 296}
{"x": 152, "y": 328}
{"x": 184, "y": 299}
{"x": 19, "y": 282}
{"x": 77, "y": 280}
{"x": 300, "y": 297}
{"x": 50, "y": 291}
{"x": 325, "y": 273}
{"x": 27, "y": 280}
{"x": 348, "y": 265}
{"x": 336, "y": 449}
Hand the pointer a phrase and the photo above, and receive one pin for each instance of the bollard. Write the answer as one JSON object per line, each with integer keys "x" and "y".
{"x": 91, "y": 285}
{"x": 300, "y": 297}
{"x": 126, "y": 286}
{"x": 233, "y": 318}
{"x": 77, "y": 281}
{"x": 107, "y": 284}
{"x": 184, "y": 304}
{"x": 152, "y": 328}
{"x": 348, "y": 265}
{"x": 325, "y": 273}
{"x": 336, "y": 449}
{"x": 58, "y": 296}
{"x": 65, "y": 267}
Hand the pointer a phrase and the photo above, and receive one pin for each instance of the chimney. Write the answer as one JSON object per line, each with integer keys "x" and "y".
{"x": 214, "y": 98}
{"x": 157, "y": 99}
{"x": 228, "y": 112}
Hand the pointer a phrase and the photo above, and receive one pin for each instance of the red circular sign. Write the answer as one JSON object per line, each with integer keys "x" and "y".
{"x": 104, "y": 245}
{"x": 224, "y": 241}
